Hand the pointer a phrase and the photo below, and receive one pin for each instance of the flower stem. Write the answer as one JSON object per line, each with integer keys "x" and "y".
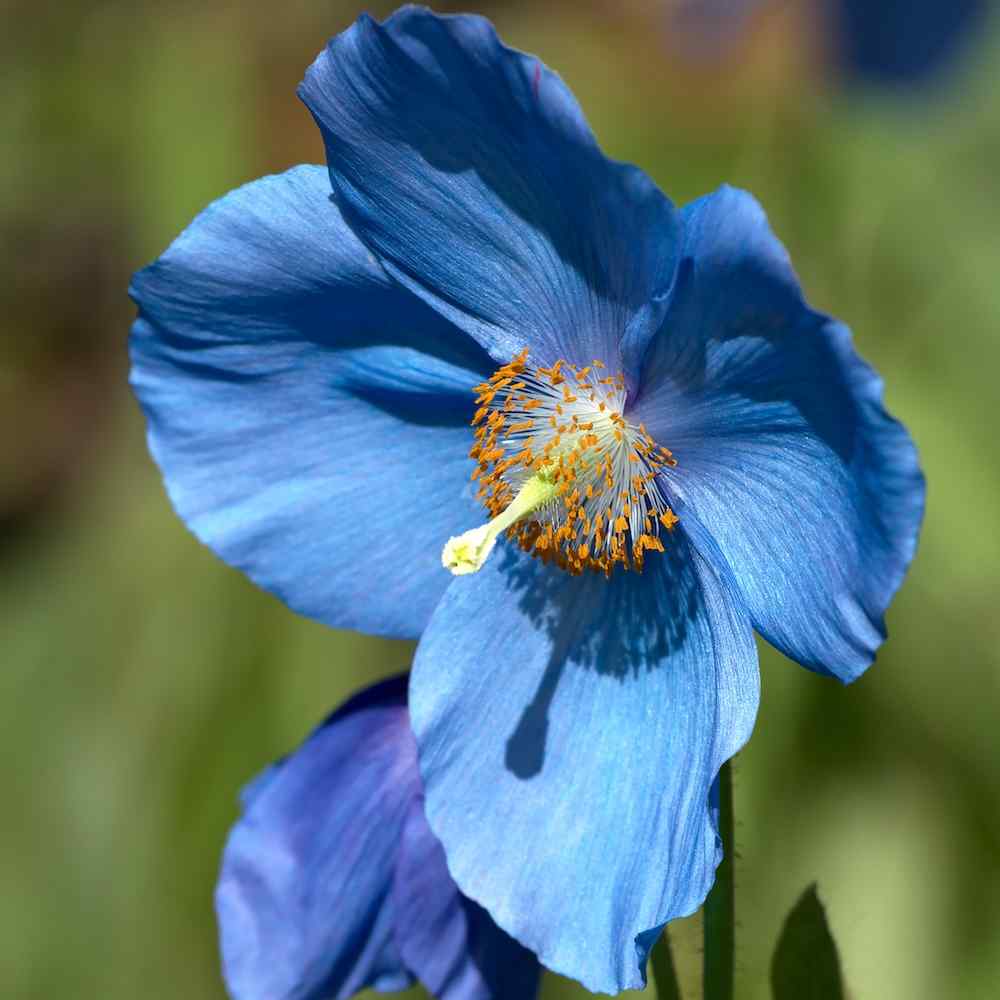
{"x": 720, "y": 909}
{"x": 663, "y": 969}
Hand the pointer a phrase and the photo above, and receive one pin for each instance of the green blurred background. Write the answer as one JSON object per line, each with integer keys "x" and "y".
{"x": 143, "y": 682}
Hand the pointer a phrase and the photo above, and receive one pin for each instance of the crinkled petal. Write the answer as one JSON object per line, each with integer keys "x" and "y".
{"x": 309, "y": 415}
{"x": 570, "y": 729}
{"x": 450, "y": 943}
{"x": 305, "y": 893}
{"x": 785, "y": 452}
{"x": 468, "y": 168}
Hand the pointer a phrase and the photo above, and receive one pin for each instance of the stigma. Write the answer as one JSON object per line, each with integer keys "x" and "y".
{"x": 563, "y": 472}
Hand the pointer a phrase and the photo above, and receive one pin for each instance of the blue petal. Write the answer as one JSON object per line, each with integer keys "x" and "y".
{"x": 450, "y": 943}
{"x": 468, "y": 168}
{"x": 310, "y": 416}
{"x": 570, "y": 729}
{"x": 785, "y": 452}
{"x": 305, "y": 893}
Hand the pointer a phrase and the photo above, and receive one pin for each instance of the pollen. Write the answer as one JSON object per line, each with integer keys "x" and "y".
{"x": 563, "y": 472}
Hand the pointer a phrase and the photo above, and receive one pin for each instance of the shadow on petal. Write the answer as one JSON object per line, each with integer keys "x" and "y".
{"x": 622, "y": 627}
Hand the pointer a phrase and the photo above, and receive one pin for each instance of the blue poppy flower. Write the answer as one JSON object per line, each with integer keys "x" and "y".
{"x": 332, "y": 881}
{"x": 675, "y": 448}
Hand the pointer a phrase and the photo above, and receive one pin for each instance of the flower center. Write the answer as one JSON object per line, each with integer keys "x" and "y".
{"x": 563, "y": 472}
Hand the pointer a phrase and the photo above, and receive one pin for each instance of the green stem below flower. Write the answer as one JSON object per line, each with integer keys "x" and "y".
{"x": 720, "y": 908}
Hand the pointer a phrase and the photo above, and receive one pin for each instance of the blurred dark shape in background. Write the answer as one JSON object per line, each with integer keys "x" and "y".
{"x": 143, "y": 683}
{"x": 891, "y": 43}
{"x": 60, "y": 285}
{"x": 711, "y": 26}
{"x": 899, "y": 42}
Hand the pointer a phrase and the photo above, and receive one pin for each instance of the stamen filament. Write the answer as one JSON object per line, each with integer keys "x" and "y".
{"x": 563, "y": 471}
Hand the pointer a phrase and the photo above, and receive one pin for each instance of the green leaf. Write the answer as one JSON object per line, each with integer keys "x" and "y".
{"x": 806, "y": 965}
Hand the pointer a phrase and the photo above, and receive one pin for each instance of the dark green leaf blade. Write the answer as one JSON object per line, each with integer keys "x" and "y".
{"x": 806, "y": 965}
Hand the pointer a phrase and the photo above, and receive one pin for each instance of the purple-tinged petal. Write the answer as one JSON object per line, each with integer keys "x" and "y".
{"x": 305, "y": 893}
{"x": 332, "y": 881}
{"x": 450, "y": 943}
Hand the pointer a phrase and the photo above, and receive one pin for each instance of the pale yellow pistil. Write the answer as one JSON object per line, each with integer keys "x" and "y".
{"x": 466, "y": 553}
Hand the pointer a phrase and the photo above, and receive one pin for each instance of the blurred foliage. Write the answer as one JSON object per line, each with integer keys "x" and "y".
{"x": 143, "y": 682}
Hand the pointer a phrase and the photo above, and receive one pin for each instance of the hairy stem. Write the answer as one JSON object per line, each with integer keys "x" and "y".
{"x": 720, "y": 909}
